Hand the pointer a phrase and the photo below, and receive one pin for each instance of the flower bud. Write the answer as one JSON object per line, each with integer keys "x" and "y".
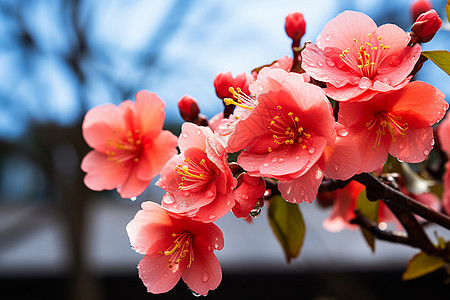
{"x": 295, "y": 26}
{"x": 223, "y": 81}
{"x": 425, "y": 27}
{"x": 188, "y": 107}
{"x": 419, "y": 7}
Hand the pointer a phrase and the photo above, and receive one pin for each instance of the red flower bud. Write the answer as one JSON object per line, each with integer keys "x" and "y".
{"x": 295, "y": 26}
{"x": 223, "y": 81}
{"x": 188, "y": 107}
{"x": 419, "y": 7}
{"x": 426, "y": 26}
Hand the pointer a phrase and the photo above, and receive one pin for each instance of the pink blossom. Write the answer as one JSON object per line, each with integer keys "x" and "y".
{"x": 198, "y": 181}
{"x": 357, "y": 60}
{"x": 223, "y": 81}
{"x": 248, "y": 194}
{"x": 175, "y": 248}
{"x": 130, "y": 147}
{"x": 398, "y": 123}
{"x": 290, "y": 135}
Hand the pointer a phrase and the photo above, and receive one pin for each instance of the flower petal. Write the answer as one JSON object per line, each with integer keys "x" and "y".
{"x": 205, "y": 273}
{"x": 415, "y": 146}
{"x": 133, "y": 186}
{"x": 156, "y": 276}
{"x": 303, "y": 188}
{"x": 149, "y": 112}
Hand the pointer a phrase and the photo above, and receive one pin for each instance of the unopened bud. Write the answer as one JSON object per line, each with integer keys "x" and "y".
{"x": 223, "y": 82}
{"x": 425, "y": 27}
{"x": 188, "y": 107}
{"x": 295, "y": 26}
{"x": 419, "y": 7}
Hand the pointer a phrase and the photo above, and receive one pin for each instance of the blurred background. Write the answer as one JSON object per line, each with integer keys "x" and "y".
{"x": 58, "y": 59}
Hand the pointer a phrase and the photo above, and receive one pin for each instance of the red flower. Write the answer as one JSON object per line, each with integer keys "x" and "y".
{"x": 426, "y": 26}
{"x": 295, "y": 26}
{"x": 174, "y": 248}
{"x": 223, "y": 81}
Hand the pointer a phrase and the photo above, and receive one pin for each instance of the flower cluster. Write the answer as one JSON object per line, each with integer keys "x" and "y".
{"x": 285, "y": 132}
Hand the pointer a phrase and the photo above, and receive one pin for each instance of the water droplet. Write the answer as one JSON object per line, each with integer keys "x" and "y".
{"x": 255, "y": 212}
{"x": 281, "y": 160}
{"x": 212, "y": 217}
{"x": 354, "y": 80}
{"x": 311, "y": 64}
{"x": 302, "y": 192}
{"x": 274, "y": 159}
{"x": 206, "y": 276}
{"x": 265, "y": 164}
{"x": 133, "y": 198}
{"x": 185, "y": 135}
{"x": 311, "y": 150}
{"x": 401, "y": 146}
{"x": 330, "y": 62}
{"x": 168, "y": 200}
{"x": 297, "y": 157}
{"x": 320, "y": 64}
{"x": 386, "y": 81}
{"x": 364, "y": 83}
{"x": 244, "y": 196}
{"x": 260, "y": 87}
{"x": 394, "y": 61}
{"x": 328, "y": 37}
{"x": 432, "y": 142}
{"x": 185, "y": 193}
{"x": 342, "y": 132}
{"x": 199, "y": 131}
{"x": 209, "y": 194}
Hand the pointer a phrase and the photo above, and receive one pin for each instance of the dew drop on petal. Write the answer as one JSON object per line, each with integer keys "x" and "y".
{"x": 274, "y": 159}
{"x": 199, "y": 131}
{"x": 211, "y": 217}
{"x": 133, "y": 198}
{"x": 311, "y": 150}
{"x": 255, "y": 212}
{"x": 206, "y": 276}
{"x": 320, "y": 64}
{"x": 354, "y": 80}
{"x": 328, "y": 37}
{"x": 364, "y": 83}
{"x": 342, "y": 132}
{"x": 297, "y": 157}
{"x": 168, "y": 200}
{"x": 330, "y": 62}
{"x": 386, "y": 81}
{"x": 209, "y": 194}
{"x": 265, "y": 164}
{"x": 281, "y": 160}
{"x": 401, "y": 146}
{"x": 244, "y": 196}
{"x": 185, "y": 135}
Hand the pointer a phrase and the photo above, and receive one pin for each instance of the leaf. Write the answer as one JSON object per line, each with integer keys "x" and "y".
{"x": 422, "y": 264}
{"x": 370, "y": 210}
{"x": 288, "y": 226}
{"x": 440, "y": 57}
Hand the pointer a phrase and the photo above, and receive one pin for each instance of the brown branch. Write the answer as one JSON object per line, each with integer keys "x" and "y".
{"x": 379, "y": 190}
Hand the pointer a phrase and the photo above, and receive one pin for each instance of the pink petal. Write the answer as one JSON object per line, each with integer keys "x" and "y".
{"x": 342, "y": 160}
{"x": 205, "y": 273}
{"x": 304, "y": 188}
{"x": 149, "y": 112}
{"x": 100, "y": 123}
{"x": 154, "y": 158}
{"x": 103, "y": 174}
{"x": 415, "y": 146}
{"x": 443, "y": 132}
{"x": 410, "y": 99}
{"x": 222, "y": 204}
{"x": 156, "y": 276}
{"x": 149, "y": 226}
{"x": 349, "y": 92}
{"x": 133, "y": 186}
{"x": 340, "y": 31}
{"x": 193, "y": 136}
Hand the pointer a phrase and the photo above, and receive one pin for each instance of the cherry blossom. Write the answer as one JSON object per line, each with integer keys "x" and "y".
{"x": 398, "y": 123}
{"x": 130, "y": 147}
{"x": 357, "y": 59}
{"x": 175, "y": 248}
{"x": 198, "y": 181}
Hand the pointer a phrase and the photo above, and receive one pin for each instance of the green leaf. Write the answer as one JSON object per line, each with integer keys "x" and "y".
{"x": 288, "y": 226}
{"x": 440, "y": 57}
{"x": 422, "y": 264}
{"x": 370, "y": 210}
